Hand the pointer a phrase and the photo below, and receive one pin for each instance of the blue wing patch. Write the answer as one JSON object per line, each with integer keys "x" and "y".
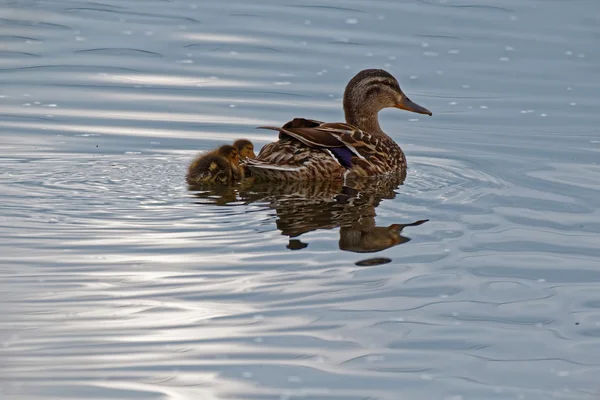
{"x": 343, "y": 155}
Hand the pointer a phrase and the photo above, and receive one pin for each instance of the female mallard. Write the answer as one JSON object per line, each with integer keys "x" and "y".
{"x": 314, "y": 150}
{"x": 218, "y": 166}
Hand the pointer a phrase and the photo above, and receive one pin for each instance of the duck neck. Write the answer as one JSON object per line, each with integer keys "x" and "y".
{"x": 364, "y": 119}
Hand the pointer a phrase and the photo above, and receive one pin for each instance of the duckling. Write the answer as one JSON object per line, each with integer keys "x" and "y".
{"x": 218, "y": 166}
{"x": 209, "y": 168}
{"x": 245, "y": 148}
{"x": 233, "y": 156}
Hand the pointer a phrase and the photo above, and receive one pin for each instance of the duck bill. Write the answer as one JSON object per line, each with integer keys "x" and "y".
{"x": 406, "y": 104}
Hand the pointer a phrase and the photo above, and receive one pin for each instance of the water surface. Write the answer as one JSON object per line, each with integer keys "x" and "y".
{"x": 119, "y": 282}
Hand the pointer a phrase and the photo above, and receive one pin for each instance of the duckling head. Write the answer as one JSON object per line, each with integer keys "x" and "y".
{"x": 245, "y": 148}
{"x": 230, "y": 153}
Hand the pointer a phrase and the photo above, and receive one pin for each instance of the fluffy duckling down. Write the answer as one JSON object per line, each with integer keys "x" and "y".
{"x": 221, "y": 165}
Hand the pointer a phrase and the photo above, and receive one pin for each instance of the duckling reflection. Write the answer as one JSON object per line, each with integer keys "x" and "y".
{"x": 302, "y": 207}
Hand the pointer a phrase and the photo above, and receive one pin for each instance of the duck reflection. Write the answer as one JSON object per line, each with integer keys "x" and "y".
{"x": 303, "y": 207}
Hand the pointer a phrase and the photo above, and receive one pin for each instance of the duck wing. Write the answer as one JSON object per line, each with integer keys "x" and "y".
{"x": 344, "y": 141}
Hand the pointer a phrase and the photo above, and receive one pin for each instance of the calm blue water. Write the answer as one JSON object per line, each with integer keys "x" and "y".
{"x": 117, "y": 282}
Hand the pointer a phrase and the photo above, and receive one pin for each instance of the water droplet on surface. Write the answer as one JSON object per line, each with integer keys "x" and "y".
{"x": 352, "y": 21}
{"x": 453, "y": 51}
{"x": 307, "y": 22}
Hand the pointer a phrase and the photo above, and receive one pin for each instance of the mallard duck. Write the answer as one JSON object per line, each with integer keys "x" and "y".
{"x": 217, "y": 166}
{"x": 315, "y": 150}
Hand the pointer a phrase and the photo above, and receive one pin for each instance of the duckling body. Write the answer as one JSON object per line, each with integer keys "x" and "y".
{"x": 221, "y": 165}
{"x": 315, "y": 150}
{"x": 209, "y": 168}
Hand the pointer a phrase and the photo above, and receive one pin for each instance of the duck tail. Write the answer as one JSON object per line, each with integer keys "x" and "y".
{"x": 273, "y": 128}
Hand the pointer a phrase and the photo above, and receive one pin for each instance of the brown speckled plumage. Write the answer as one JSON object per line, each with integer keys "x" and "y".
{"x": 314, "y": 150}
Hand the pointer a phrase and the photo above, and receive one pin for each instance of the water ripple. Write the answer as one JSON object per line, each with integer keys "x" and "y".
{"x": 119, "y": 281}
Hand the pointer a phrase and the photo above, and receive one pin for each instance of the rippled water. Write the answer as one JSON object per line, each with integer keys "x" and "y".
{"x": 118, "y": 282}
